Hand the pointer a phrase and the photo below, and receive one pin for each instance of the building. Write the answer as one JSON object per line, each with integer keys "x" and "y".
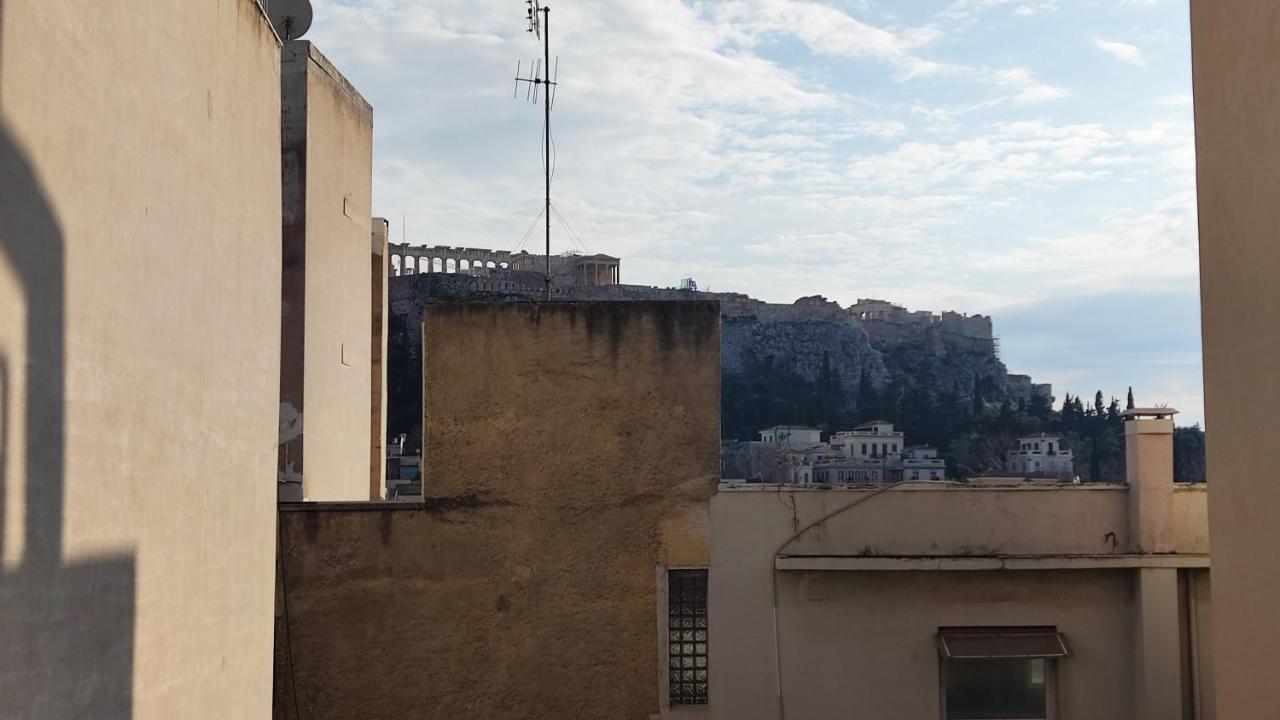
{"x": 140, "y": 287}
{"x": 921, "y": 462}
{"x": 851, "y": 472}
{"x": 567, "y": 270}
{"x": 328, "y": 377}
{"x": 688, "y": 598}
{"x": 875, "y": 439}
{"x": 875, "y": 452}
{"x": 404, "y": 472}
{"x": 915, "y": 600}
{"x": 1042, "y": 455}
{"x": 792, "y": 436}
{"x": 1235, "y": 56}
{"x": 565, "y": 522}
{"x": 1022, "y": 389}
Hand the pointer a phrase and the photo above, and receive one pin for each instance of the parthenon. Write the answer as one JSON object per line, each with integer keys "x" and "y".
{"x": 410, "y": 260}
{"x": 568, "y": 269}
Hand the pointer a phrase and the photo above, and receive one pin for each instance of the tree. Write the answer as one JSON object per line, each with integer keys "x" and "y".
{"x": 1188, "y": 454}
{"x": 1041, "y": 408}
{"x": 1069, "y": 417}
{"x": 870, "y": 402}
{"x": 1113, "y": 414}
{"x": 1129, "y": 404}
{"x": 1006, "y": 420}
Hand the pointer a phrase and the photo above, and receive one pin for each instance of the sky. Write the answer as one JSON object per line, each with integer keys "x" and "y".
{"x": 1028, "y": 159}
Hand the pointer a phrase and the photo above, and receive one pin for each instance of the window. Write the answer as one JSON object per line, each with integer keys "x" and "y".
{"x": 864, "y": 449}
{"x": 687, "y": 639}
{"x": 999, "y": 673}
{"x": 915, "y": 474}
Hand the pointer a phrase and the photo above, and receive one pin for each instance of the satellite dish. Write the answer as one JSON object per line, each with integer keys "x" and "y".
{"x": 291, "y": 18}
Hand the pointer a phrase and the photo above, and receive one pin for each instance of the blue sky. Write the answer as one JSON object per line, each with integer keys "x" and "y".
{"x": 1031, "y": 159}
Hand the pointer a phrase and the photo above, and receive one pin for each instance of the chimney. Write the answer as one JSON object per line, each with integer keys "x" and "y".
{"x": 1148, "y": 449}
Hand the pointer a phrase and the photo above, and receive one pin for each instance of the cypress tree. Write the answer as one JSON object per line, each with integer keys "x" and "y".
{"x": 1129, "y": 405}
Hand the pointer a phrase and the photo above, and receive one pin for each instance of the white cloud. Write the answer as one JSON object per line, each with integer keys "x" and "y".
{"x": 692, "y": 139}
{"x": 1121, "y": 51}
{"x": 827, "y": 30}
{"x": 966, "y": 9}
{"x": 1029, "y": 90}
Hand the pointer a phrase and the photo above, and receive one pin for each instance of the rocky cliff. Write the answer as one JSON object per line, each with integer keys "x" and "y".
{"x": 811, "y": 362}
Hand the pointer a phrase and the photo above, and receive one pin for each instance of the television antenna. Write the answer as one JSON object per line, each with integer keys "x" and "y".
{"x": 542, "y": 78}
{"x": 291, "y": 18}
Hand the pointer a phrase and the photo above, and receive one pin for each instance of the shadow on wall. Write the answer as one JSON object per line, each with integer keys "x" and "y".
{"x": 66, "y": 628}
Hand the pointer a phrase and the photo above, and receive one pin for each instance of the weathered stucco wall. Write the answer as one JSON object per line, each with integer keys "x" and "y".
{"x": 570, "y": 453}
{"x": 861, "y": 642}
{"x": 1236, "y": 58}
{"x": 380, "y": 272}
{"x": 139, "y": 350}
{"x": 327, "y": 136}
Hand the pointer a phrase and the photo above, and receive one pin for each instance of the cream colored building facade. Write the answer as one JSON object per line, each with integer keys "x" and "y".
{"x": 792, "y": 436}
{"x": 326, "y": 365}
{"x": 1236, "y": 59}
{"x": 876, "y": 439}
{"x": 140, "y": 212}
{"x": 843, "y": 602}
{"x": 1042, "y": 455}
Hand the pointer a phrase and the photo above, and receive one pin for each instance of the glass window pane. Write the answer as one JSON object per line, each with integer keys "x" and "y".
{"x": 1004, "y": 689}
{"x": 687, "y": 643}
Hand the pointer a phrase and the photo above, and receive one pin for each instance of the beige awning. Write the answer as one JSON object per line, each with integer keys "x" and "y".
{"x": 1003, "y": 642}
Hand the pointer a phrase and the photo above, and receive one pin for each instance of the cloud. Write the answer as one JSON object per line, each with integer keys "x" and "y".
{"x": 1029, "y": 90}
{"x": 779, "y": 148}
{"x": 1121, "y": 51}
{"x": 966, "y": 9}
{"x": 826, "y": 30}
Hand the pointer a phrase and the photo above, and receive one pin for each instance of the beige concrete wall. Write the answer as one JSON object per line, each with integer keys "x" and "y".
{"x": 1191, "y": 517}
{"x": 922, "y": 519}
{"x": 328, "y": 154}
{"x": 1236, "y": 58}
{"x": 570, "y": 453}
{"x": 380, "y": 273}
{"x": 861, "y": 642}
{"x": 139, "y": 351}
{"x": 1200, "y": 634}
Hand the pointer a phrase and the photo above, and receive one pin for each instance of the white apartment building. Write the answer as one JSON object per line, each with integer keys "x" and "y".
{"x": 873, "y": 440}
{"x": 921, "y": 463}
{"x": 1042, "y": 455}
{"x": 852, "y": 472}
{"x": 791, "y": 436}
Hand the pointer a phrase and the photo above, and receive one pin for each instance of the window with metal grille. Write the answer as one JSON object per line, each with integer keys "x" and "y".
{"x": 687, "y": 639}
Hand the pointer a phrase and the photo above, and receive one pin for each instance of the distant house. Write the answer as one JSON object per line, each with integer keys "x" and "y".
{"x": 875, "y": 439}
{"x": 1042, "y": 455}
{"x": 792, "y": 436}
{"x": 921, "y": 462}
{"x": 851, "y": 472}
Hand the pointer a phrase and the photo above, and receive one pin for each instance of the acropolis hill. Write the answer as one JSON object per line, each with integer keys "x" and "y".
{"x": 811, "y": 361}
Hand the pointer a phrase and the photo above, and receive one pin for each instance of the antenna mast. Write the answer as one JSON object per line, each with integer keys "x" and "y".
{"x": 540, "y": 74}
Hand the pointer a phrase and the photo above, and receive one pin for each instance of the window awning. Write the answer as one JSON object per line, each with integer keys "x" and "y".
{"x": 1001, "y": 642}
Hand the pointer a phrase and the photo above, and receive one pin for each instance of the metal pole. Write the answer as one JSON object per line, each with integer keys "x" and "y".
{"x": 546, "y": 112}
